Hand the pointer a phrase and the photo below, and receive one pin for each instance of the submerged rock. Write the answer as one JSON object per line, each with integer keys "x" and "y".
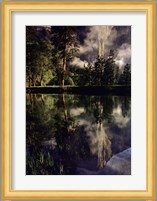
{"x": 119, "y": 164}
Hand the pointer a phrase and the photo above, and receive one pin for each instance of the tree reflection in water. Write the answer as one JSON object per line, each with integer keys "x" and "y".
{"x": 66, "y": 132}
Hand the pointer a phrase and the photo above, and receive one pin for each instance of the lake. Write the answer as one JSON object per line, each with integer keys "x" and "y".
{"x": 69, "y": 134}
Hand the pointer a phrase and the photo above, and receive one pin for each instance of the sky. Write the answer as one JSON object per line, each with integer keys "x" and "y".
{"x": 99, "y": 40}
{"x": 96, "y": 40}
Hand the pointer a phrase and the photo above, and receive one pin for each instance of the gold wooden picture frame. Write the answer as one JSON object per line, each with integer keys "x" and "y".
{"x": 7, "y": 9}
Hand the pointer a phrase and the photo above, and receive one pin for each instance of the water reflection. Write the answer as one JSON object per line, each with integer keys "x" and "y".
{"x": 67, "y": 133}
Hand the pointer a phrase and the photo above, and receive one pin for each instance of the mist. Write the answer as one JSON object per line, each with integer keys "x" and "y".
{"x": 99, "y": 40}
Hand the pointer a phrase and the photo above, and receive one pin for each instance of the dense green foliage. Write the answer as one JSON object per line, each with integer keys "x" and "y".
{"x": 50, "y": 52}
{"x": 38, "y": 56}
{"x": 66, "y": 44}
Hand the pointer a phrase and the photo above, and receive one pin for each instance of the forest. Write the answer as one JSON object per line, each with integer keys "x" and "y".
{"x": 50, "y": 55}
{"x": 78, "y": 100}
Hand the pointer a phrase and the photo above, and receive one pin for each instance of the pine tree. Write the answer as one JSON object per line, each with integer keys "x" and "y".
{"x": 109, "y": 70}
{"x": 117, "y": 75}
{"x": 127, "y": 74}
{"x": 98, "y": 71}
{"x": 88, "y": 75}
{"x": 64, "y": 39}
{"x": 125, "y": 78}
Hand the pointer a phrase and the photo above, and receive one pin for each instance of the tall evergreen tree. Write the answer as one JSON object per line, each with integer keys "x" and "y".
{"x": 127, "y": 74}
{"x": 65, "y": 41}
{"x": 109, "y": 69}
{"x": 117, "y": 75}
{"x": 125, "y": 78}
{"x": 98, "y": 71}
{"x": 88, "y": 74}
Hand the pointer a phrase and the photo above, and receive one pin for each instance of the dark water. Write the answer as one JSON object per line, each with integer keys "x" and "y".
{"x": 67, "y": 133}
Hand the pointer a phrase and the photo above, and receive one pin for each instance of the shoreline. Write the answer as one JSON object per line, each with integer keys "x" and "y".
{"x": 85, "y": 90}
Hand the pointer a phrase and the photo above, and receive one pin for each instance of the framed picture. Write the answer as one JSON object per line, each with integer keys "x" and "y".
{"x": 78, "y": 100}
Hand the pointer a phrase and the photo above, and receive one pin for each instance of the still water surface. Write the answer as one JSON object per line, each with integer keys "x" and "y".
{"x": 68, "y": 133}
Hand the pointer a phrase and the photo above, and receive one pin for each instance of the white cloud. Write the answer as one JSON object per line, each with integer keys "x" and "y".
{"x": 120, "y": 62}
{"x": 124, "y": 51}
{"x": 99, "y": 40}
{"x": 124, "y": 55}
{"x": 119, "y": 119}
{"x": 78, "y": 62}
{"x": 76, "y": 111}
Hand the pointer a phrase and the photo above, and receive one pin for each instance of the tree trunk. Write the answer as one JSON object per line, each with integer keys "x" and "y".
{"x": 41, "y": 80}
{"x": 29, "y": 80}
{"x": 42, "y": 99}
{"x": 34, "y": 80}
{"x": 64, "y": 70}
{"x": 64, "y": 59}
{"x": 64, "y": 107}
{"x": 34, "y": 83}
